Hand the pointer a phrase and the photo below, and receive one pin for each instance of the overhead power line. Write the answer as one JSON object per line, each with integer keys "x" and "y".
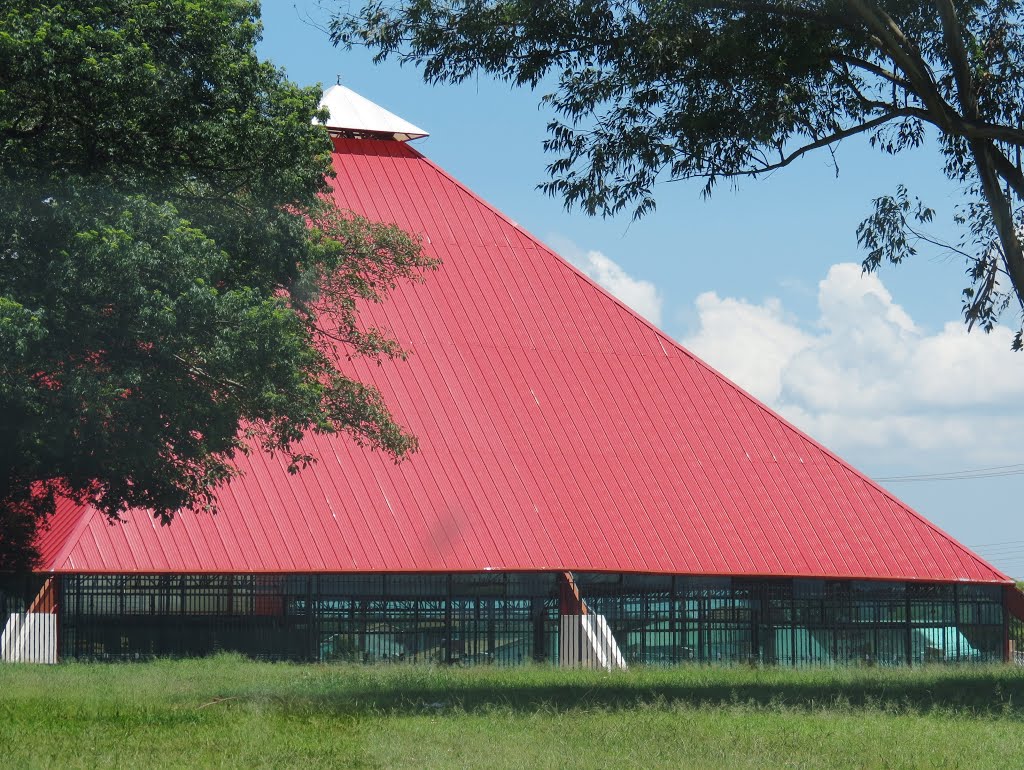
{"x": 996, "y": 471}
{"x": 1003, "y": 555}
{"x": 1000, "y": 545}
{"x": 1001, "y": 549}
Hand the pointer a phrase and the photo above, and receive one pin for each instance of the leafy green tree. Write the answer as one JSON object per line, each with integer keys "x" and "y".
{"x": 644, "y": 90}
{"x": 174, "y": 288}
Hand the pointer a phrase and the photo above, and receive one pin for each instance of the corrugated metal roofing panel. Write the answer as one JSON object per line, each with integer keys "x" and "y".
{"x": 558, "y": 431}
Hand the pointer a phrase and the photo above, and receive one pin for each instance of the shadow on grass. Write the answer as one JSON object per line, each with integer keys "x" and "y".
{"x": 982, "y": 694}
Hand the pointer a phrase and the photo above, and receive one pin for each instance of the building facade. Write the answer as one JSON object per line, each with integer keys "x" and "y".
{"x": 587, "y": 491}
{"x": 510, "y": 618}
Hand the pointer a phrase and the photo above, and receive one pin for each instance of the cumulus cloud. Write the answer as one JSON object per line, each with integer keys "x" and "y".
{"x": 751, "y": 344}
{"x": 864, "y": 378}
{"x": 643, "y": 296}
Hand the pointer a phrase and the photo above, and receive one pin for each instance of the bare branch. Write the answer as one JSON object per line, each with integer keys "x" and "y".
{"x": 922, "y": 236}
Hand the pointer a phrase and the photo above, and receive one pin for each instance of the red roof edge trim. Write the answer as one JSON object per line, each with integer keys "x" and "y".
{"x": 544, "y": 571}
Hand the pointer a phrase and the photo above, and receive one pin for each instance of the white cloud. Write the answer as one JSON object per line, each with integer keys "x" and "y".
{"x": 864, "y": 378}
{"x": 643, "y": 296}
{"x": 751, "y": 344}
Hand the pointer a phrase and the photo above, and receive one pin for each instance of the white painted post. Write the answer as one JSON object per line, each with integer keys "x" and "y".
{"x": 29, "y": 637}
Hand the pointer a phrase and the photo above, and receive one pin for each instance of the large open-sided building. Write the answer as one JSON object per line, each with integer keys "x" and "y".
{"x": 586, "y": 490}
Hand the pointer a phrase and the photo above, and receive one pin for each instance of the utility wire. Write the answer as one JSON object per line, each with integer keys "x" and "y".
{"x": 993, "y": 545}
{"x": 995, "y": 471}
{"x": 1012, "y": 544}
{"x": 1011, "y": 551}
{"x": 1008, "y": 548}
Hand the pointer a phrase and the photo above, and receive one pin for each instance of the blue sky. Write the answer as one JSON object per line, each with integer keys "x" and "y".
{"x": 761, "y": 281}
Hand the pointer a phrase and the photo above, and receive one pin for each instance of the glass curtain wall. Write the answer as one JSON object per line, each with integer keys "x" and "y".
{"x": 511, "y": 618}
{"x": 666, "y": 619}
{"x": 486, "y": 618}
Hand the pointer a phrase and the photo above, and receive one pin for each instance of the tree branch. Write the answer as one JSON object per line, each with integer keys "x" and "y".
{"x": 940, "y": 244}
{"x": 203, "y": 374}
{"x": 818, "y": 144}
{"x": 1002, "y": 216}
{"x": 874, "y": 69}
{"x": 895, "y": 44}
{"x": 958, "y": 58}
{"x": 979, "y": 129}
{"x": 827, "y": 20}
{"x": 969, "y": 128}
{"x": 1010, "y": 173}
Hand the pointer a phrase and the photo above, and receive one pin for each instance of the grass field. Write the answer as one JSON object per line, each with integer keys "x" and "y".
{"x": 230, "y": 712}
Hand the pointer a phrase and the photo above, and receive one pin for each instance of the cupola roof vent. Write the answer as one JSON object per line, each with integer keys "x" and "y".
{"x": 354, "y": 116}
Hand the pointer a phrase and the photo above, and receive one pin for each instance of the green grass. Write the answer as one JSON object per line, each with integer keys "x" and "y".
{"x": 230, "y": 712}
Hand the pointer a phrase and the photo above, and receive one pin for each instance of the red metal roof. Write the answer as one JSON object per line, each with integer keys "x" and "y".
{"x": 558, "y": 431}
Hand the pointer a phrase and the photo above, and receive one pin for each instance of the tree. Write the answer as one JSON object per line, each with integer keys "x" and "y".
{"x": 174, "y": 287}
{"x": 645, "y": 90}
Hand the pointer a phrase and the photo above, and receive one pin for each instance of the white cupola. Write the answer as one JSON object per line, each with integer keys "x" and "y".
{"x": 354, "y": 116}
